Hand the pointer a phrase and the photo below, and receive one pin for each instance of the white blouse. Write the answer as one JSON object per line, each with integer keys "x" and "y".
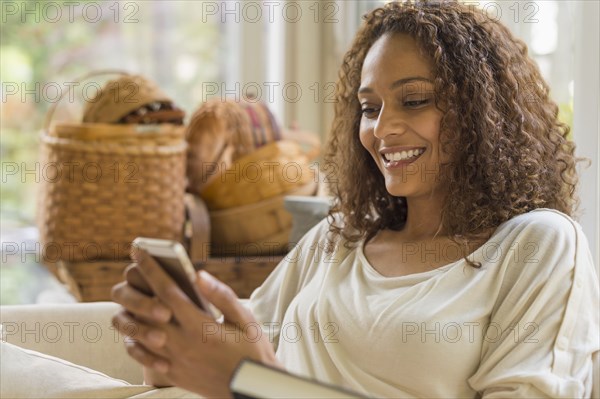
{"x": 525, "y": 324}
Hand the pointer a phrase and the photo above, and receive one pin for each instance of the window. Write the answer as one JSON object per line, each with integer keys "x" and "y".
{"x": 46, "y": 46}
{"x": 194, "y": 50}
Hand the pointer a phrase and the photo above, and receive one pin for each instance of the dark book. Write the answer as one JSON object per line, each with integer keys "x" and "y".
{"x": 253, "y": 380}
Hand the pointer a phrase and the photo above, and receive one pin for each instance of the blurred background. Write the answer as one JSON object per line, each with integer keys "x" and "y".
{"x": 287, "y": 53}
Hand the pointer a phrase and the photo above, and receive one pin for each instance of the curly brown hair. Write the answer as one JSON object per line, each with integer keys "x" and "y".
{"x": 510, "y": 152}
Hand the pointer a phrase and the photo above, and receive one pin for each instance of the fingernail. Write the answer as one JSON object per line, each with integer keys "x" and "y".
{"x": 137, "y": 253}
{"x": 209, "y": 281}
{"x": 161, "y": 313}
{"x": 157, "y": 338}
{"x": 161, "y": 366}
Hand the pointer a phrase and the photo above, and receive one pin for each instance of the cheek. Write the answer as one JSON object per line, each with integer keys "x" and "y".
{"x": 363, "y": 140}
{"x": 431, "y": 132}
{"x": 366, "y": 137}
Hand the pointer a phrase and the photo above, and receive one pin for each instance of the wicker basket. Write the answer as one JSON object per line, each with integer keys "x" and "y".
{"x": 275, "y": 169}
{"x": 93, "y": 281}
{"x": 122, "y": 96}
{"x": 243, "y": 274}
{"x": 220, "y": 132}
{"x": 112, "y": 184}
{"x": 103, "y": 185}
{"x": 261, "y": 228}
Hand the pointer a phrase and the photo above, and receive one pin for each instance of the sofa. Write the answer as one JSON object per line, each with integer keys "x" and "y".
{"x": 79, "y": 333}
{"x": 69, "y": 351}
{"x": 83, "y": 334}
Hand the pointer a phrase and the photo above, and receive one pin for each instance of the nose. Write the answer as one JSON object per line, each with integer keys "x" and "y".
{"x": 389, "y": 122}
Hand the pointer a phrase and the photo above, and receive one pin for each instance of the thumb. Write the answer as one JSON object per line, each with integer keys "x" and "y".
{"x": 223, "y": 298}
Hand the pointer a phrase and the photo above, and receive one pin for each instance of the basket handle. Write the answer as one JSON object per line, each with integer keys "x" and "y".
{"x": 88, "y": 75}
{"x": 199, "y": 229}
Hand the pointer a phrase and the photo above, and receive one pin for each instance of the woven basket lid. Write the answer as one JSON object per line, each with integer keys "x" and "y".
{"x": 222, "y": 132}
{"x": 257, "y": 176}
{"x": 241, "y": 125}
{"x": 120, "y": 97}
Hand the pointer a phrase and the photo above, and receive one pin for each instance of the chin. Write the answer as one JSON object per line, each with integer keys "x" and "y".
{"x": 397, "y": 189}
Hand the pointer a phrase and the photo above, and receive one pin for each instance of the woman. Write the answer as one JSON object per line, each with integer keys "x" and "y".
{"x": 449, "y": 265}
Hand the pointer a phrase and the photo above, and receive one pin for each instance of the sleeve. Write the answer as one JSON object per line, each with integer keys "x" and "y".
{"x": 270, "y": 301}
{"x": 544, "y": 329}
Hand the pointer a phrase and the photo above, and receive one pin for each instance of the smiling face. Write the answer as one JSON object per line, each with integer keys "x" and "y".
{"x": 400, "y": 123}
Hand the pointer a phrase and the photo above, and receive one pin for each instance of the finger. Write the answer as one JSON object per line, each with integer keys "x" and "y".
{"x": 151, "y": 336}
{"x": 224, "y": 298}
{"x": 136, "y": 279}
{"x": 184, "y": 310}
{"x": 139, "y": 304}
{"x": 137, "y": 253}
{"x": 147, "y": 358}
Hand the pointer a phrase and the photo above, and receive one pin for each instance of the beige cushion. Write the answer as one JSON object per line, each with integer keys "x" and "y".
{"x": 26, "y": 373}
{"x": 79, "y": 333}
{"x": 29, "y": 374}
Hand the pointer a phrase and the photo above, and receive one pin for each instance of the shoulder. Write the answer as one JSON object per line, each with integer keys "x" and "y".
{"x": 544, "y": 218}
{"x": 544, "y": 225}
{"x": 541, "y": 241}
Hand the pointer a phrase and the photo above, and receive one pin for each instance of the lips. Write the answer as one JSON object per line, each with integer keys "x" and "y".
{"x": 400, "y": 156}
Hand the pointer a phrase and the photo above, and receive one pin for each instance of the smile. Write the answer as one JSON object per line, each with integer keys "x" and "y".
{"x": 397, "y": 157}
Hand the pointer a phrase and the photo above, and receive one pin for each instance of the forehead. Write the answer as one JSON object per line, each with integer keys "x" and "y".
{"x": 394, "y": 56}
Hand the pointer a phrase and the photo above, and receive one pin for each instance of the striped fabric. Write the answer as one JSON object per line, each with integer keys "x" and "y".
{"x": 264, "y": 126}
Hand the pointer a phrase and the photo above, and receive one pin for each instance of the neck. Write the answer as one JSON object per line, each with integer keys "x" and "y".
{"x": 424, "y": 218}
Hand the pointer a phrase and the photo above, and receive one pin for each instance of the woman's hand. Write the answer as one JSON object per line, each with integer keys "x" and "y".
{"x": 179, "y": 341}
{"x": 135, "y": 289}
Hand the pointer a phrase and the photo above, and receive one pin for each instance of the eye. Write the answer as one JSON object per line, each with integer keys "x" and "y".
{"x": 369, "y": 111}
{"x": 416, "y": 103}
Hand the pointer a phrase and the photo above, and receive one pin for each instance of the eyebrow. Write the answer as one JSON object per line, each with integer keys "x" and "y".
{"x": 397, "y": 83}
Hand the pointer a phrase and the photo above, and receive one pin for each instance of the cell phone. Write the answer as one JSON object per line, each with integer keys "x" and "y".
{"x": 173, "y": 259}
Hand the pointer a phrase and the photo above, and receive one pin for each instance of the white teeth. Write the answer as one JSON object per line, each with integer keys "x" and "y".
{"x": 403, "y": 155}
